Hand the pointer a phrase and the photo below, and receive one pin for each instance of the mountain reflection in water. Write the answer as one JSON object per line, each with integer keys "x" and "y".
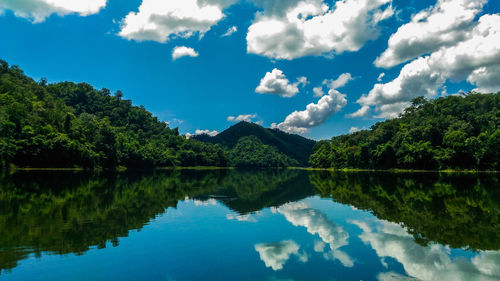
{"x": 369, "y": 226}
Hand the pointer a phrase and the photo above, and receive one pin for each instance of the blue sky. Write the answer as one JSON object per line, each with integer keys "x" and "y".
{"x": 265, "y": 71}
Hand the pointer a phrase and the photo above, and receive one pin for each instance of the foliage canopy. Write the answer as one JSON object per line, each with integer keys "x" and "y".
{"x": 454, "y": 132}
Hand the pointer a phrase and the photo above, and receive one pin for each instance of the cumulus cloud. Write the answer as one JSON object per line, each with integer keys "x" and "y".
{"x": 315, "y": 113}
{"x": 38, "y": 10}
{"x": 476, "y": 60}
{"x": 354, "y": 130}
{"x": 318, "y": 91}
{"x": 293, "y": 29}
{"x": 244, "y": 117}
{"x": 245, "y": 218}
{"x": 275, "y": 255}
{"x": 276, "y": 83}
{"x": 316, "y": 222}
{"x": 340, "y": 82}
{"x": 230, "y": 31}
{"x": 208, "y": 202}
{"x": 159, "y": 20}
{"x": 380, "y": 77}
{"x": 441, "y": 25}
{"x": 433, "y": 262}
{"x": 183, "y": 51}
{"x": 206, "y": 132}
{"x": 393, "y": 276}
{"x": 319, "y": 246}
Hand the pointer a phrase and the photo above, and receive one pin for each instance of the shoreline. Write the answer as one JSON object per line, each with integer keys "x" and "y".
{"x": 124, "y": 169}
{"x": 392, "y": 170}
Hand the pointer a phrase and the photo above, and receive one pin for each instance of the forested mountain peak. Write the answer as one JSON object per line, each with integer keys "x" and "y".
{"x": 294, "y": 146}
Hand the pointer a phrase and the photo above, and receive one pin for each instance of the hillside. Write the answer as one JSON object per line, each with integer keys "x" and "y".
{"x": 68, "y": 124}
{"x": 294, "y": 146}
{"x": 454, "y": 132}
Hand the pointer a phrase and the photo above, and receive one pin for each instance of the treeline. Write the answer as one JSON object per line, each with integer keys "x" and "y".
{"x": 67, "y": 124}
{"x": 63, "y": 212}
{"x": 461, "y": 210}
{"x": 454, "y": 132}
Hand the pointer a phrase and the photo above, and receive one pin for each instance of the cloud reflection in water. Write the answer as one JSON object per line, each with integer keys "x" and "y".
{"x": 431, "y": 263}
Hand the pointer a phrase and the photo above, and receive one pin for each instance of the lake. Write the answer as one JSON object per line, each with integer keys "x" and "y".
{"x": 249, "y": 225}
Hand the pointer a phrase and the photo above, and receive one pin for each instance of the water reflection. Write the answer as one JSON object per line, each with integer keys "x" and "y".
{"x": 66, "y": 212}
{"x": 316, "y": 222}
{"x": 426, "y": 226}
{"x": 433, "y": 262}
{"x": 459, "y": 210}
{"x": 276, "y": 254}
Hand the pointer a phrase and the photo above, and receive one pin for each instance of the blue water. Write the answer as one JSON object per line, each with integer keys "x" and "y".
{"x": 310, "y": 238}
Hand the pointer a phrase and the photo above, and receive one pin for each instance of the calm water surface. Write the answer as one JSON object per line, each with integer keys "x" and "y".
{"x": 249, "y": 225}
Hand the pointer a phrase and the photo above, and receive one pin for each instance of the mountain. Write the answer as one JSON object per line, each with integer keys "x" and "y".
{"x": 293, "y": 146}
{"x": 453, "y": 132}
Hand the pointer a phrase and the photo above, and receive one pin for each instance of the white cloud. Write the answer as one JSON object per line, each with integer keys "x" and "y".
{"x": 38, "y": 10}
{"x": 431, "y": 263}
{"x": 293, "y": 29}
{"x": 362, "y": 112}
{"x": 275, "y": 255}
{"x": 243, "y": 117}
{"x": 183, "y": 51}
{"x": 245, "y": 218}
{"x": 315, "y": 113}
{"x": 316, "y": 222}
{"x": 159, "y": 20}
{"x": 175, "y": 121}
{"x": 208, "y": 202}
{"x": 354, "y": 130}
{"x": 380, "y": 76}
{"x": 393, "y": 276}
{"x": 340, "y": 82}
{"x": 206, "y": 132}
{"x": 476, "y": 60}
{"x": 486, "y": 78}
{"x": 441, "y": 25}
{"x": 276, "y": 83}
{"x": 230, "y": 31}
{"x": 318, "y": 91}
{"x": 319, "y": 246}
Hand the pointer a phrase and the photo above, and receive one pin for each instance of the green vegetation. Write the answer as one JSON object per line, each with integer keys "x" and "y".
{"x": 455, "y": 132}
{"x": 68, "y": 212}
{"x": 61, "y": 212}
{"x": 251, "y": 152}
{"x": 67, "y": 124}
{"x": 293, "y": 146}
{"x": 89, "y": 128}
{"x": 460, "y": 209}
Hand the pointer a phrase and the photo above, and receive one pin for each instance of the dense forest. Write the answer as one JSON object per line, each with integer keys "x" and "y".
{"x": 291, "y": 149}
{"x": 67, "y": 124}
{"x": 43, "y": 212}
{"x": 90, "y": 128}
{"x": 251, "y": 152}
{"x": 69, "y": 212}
{"x": 74, "y": 125}
{"x": 461, "y": 210}
{"x": 453, "y": 132}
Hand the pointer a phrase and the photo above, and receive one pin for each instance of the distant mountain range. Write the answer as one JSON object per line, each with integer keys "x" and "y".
{"x": 293, "y": 146}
